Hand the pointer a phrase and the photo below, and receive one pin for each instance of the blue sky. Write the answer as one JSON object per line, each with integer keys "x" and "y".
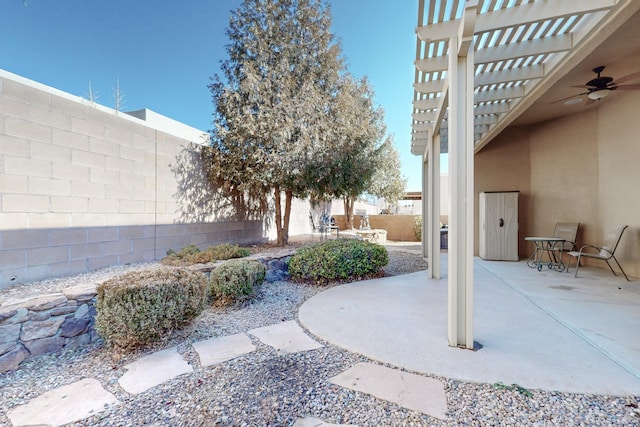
{"x": 164, "y": 51}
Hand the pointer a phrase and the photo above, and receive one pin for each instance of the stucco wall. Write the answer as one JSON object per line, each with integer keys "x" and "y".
{"x": 581, "y": 168}
{"x": 504, "y": 166}
{"x": 84, "y": 187}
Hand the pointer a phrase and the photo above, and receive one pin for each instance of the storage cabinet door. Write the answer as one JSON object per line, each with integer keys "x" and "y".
{"x": 510, "y": 227}
{"x": 498, "y": 226}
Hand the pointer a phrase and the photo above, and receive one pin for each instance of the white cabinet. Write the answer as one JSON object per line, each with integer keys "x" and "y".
{"x": 498, "y": 220}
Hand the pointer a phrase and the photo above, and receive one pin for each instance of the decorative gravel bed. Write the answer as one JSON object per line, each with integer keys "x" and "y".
{"x": 264, "y": 389}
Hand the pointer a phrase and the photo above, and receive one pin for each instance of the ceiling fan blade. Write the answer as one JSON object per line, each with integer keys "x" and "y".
{"x": 569, "y": 97}
{"x": 631, "y": 76}
{"x": 583, "y": 86}
{"x": 626, "y": 87}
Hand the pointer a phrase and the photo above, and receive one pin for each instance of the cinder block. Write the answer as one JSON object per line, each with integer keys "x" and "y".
{"x": 117, "y": 192}
{"x": 86, "y": 158}
{"x": 17, "y": 90}
{"x": 102, "y": 262}
{"x": 70, "y": 108}
{"x": 49, "y": 152}
{"x": 13, "y": 146}
{"x": 49, "y": 186}
{"x": 136, "y": 128}
{"x": 12, "y": 221}
{"x": 70, "y": 139}
{"x": 48, "y": 220}
{"x": 12, "y": 107}
{"x": 106, "y": 206}
{"x": 133, "y": 257}
{"x": 24, "y": 166}
{"x": 142, "y": 245}
{"x": 131, "y": 232}
{"x": 119, "y": 247}
{"x": 132, "y": 153}
{"x": 49, "y": 117}
{"x": 25, "y": 203}
{"x": 131, "y": 206}
{"x": 63, "y": 170}
{"x": 25, "y": 275}
{"x": 88, "y": 127}
{"x": 119, "y": 164}
{"x": 88, "y": 189}
{"x": 67, "y": 236}
{"x": 47, "y": 255}
{"x": 149, "y": 207}
{"x": 14, "y": 184}
{"x": 87, "y": 219}
{"x": 105, "y": 176}
{"x": 103, "y": 234}
{"x": 13, "y": 259}
{"x": 104, "y": 146}
{"x": 69, "y": 204}
{"x": 68, "y": 268}
{"x": 85, "y": 251}
{"x": 27, "y": 129}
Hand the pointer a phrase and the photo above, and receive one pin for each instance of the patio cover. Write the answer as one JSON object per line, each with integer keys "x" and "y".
{"x": 480, "y": 64}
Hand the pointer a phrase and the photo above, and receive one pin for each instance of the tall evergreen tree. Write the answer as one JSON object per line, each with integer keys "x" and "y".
{"x": 387, "y": 181}
{"x": 271, "y": 103}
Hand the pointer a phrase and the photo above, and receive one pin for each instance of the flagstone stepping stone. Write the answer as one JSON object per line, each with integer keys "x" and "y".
{"x": 286, "y": 337}
{"x": 154, "y": 369}
{"x": 408, "y": 390}
{"x": 66, "y": 404}
{"x": 315, "y": 422}
{"x": 218, "y": 350}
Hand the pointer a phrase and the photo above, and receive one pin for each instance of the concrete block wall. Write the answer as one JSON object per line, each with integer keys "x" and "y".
{"x": 83, "y": 186}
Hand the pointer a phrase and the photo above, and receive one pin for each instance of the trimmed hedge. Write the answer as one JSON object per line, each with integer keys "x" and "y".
{"x": 140, "y": 307}
{"x": 235, "y": 280}
{"x": 339, "y": 260}
{"x": 193, "y": 255}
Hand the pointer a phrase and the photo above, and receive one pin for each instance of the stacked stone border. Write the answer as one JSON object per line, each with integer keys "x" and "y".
{"x": 52, "y": 322}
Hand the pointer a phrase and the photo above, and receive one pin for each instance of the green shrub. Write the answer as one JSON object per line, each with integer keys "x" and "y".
{"x": 417, "y": 228}
{"x": 338, "y": 260}
{"x": 139, "y": 307}
{"x": 193, "y": 255}
{"x": 235, "y": 280}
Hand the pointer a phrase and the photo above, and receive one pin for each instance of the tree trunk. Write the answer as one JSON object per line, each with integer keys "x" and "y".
{"x": 348, "y": 212}
{"x": 282, "y": 219}
{"x": 287, "y": 216}
{"x": 279, "y": 239}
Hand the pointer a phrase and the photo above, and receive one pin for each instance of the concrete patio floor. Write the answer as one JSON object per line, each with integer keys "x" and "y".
{"x": 540, "y": 330}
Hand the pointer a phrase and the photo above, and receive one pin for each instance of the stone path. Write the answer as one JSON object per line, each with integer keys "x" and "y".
{"x": 82, "y": 399}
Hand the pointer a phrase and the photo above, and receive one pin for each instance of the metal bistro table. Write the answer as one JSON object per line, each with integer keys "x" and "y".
{"x": 545, "y": 245}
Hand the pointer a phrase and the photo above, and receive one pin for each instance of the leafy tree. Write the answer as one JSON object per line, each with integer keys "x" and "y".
{"x": 271, "y": 103}
{"x": 357, "y": 135}
{"x": 387, "y": 181}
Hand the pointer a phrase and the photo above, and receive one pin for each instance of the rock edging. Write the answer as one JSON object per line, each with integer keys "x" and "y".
{"x": 52, "y": 322}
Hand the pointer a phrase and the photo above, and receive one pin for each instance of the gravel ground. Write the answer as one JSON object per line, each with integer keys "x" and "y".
{"x": 264, "y": 389}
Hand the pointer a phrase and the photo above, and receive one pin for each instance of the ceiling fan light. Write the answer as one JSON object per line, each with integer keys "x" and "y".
{"x": 599, "y": 94}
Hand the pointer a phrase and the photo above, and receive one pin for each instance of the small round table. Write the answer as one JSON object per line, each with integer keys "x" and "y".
{"x": 545, "y": 245}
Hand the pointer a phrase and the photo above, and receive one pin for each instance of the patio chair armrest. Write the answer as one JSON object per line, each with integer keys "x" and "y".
{"x": 584, "y": 248}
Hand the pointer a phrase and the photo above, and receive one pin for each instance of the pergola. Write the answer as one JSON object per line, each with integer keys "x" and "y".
{"x": 480, "y": 64}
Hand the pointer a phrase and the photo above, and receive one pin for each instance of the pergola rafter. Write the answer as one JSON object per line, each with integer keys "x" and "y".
{"x": 517, "y": 46}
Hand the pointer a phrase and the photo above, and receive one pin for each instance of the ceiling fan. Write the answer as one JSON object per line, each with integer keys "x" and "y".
{"x": 600, "y": 87}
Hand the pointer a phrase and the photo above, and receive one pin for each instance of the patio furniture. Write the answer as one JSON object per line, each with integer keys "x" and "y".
{"x": 326, "y": 226}
{"x": 568, "y": 232}
{"x": 329, "y": 224}
{"x": 603, "y": 253}
{"x": 545, "y": 245}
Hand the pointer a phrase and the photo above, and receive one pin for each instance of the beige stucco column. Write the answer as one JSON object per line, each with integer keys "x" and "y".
{"x": 432, "y": 225}
{"x": 461, "y": 92}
